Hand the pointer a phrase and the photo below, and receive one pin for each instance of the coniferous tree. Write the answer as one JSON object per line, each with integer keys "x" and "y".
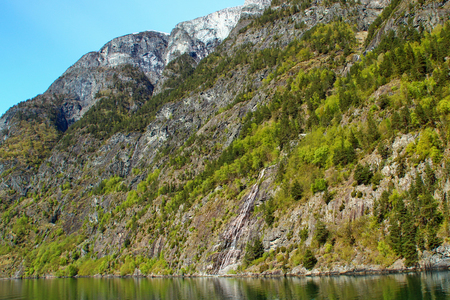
{"x": 285, "y": 131}
{"x": 383, "y": 150}
{"x": 363, "y": 174}
{"x": 343, "y": 155}
{"x": 253, "y": 250}
{"x": 409, "y": 248}
{"x": 309, "y": 260}
{"x": 269, "y": 209}
{"x": 303, "y": 234}
{"x": 372, "y": 133}
{"x": 395, "y": 121}
{"x": 382, "y": 207}
{"x": 403, "y": 233}
{"x": 353, "y": 140}
{"x": 430, "y": 220}
{"x": 421, "y": 116}
{"x": 396, "y": 222}
{"x": 416, "y": 188}
{"x": 430, "y": 178}
{"x": 321, "y": 234}
{"x": 405, "y": 118}
{"x": 395, "y": 235}
{"x": 296, "y": 190}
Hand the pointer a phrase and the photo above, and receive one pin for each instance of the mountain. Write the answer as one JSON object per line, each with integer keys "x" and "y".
{"x": 148, "y": 51}
{"x": 284, "y": 137}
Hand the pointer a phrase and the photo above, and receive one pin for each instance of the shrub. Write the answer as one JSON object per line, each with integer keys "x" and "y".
{"x": 71, "y": 271}
{"x": 319, "y": 185}
{"x": 363, "y": 174}
{"x": 327, "y": 196}
{"x": 263, "y": 268}
{"x": 304, "y": 234}
{"x": 376, "y": 178}
{"x": 296, "y": 190}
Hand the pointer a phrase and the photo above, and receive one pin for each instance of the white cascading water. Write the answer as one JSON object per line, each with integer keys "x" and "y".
{"x": 232, "y": 235}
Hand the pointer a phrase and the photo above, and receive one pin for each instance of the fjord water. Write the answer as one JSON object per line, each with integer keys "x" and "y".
{"x": 399, "y": 286}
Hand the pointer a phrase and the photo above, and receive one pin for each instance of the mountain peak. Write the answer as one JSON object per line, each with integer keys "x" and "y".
{"x": 284, "y": 141}
{"x": 200, "y": 36}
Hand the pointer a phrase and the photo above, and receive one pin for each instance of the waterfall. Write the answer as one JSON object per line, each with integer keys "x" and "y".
{"x": 235, "y": 229}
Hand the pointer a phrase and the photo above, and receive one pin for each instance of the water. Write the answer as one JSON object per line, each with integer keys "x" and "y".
{"x": 400, "y": 286}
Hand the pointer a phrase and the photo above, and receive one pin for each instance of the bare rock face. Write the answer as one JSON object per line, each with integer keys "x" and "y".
{"x": 379, "y": 4}
{"x": 5, "y": 123}
{"x": 144, "y": 50}
{"x": 429, "y": 16}
{"x": 199, "y": 37}
{"x": 93, "y": 72}
{"x": 149, "y": 51}
{"x": 254, "y": 7}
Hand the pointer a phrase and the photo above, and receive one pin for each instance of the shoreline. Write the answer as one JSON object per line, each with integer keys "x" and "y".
{"x": 365, "y": 272}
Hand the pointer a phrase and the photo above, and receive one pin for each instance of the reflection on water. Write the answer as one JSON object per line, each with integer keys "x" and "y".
{"x": 400, "y": 286}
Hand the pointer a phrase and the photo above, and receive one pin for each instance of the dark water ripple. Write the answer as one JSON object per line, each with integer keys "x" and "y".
{"x": 434, "y": 286}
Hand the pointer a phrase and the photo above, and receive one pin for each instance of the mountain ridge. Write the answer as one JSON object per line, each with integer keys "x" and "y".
{"x": 150, "y": 51}
{"x": 287, "y": 150}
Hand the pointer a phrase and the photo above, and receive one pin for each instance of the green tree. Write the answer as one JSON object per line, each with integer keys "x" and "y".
{"x": 269, "y": 209}
{"x": 343, "y": 155}
{"x": 405, "y": 118}
{"x": 363, "y": 174}
{"x": 372, "y": 133}
{"x": 319, "y": 185}
{"x": 353, "y": 140}
{"x": 72, "y": 271}
{"x": 403, "y": 232}
{"x": 430, "y": 179}
{"x": 304, "y": 232}
{"x": 396, "y": 121}
{"x": 296, "y": 190}
{"x": 321, "y": 234}
{"x": 382, "y": 207}
{"x": 309, "y": 260}
{"x": 253, "y": 250}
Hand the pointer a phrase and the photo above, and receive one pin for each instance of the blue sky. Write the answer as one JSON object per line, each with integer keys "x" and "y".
{"x": 41, "y": 39}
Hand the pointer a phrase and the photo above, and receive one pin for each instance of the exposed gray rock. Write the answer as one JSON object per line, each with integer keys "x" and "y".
{"x": 149, "y": 51}
{"x": 438, "y": 258}
{"x": 93, "y": 72}
{"x": 254, "y": 7}
{"x": 132, "y": 156}
{"x": 428, "y": 16}
{"x": 379, "y": 4}
{"x": 199, "y": 37}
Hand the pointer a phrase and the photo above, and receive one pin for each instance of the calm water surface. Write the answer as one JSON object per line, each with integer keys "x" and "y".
{"x": 400, "y": 286}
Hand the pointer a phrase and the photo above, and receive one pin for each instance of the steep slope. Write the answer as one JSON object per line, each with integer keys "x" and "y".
{"x": 92, "y": 73}
{"x": 79, "y": 88}
{"x": 284, "y": 150}
{"x": 201, "y": 36}
{"x": 148, "y": 51}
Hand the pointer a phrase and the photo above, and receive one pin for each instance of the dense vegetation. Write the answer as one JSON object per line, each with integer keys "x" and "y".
{"x": 328, "y": 128}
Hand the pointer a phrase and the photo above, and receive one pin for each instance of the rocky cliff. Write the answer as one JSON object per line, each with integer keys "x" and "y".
{"x": 148, "y": 51}
{"x": 281, "y": 148}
